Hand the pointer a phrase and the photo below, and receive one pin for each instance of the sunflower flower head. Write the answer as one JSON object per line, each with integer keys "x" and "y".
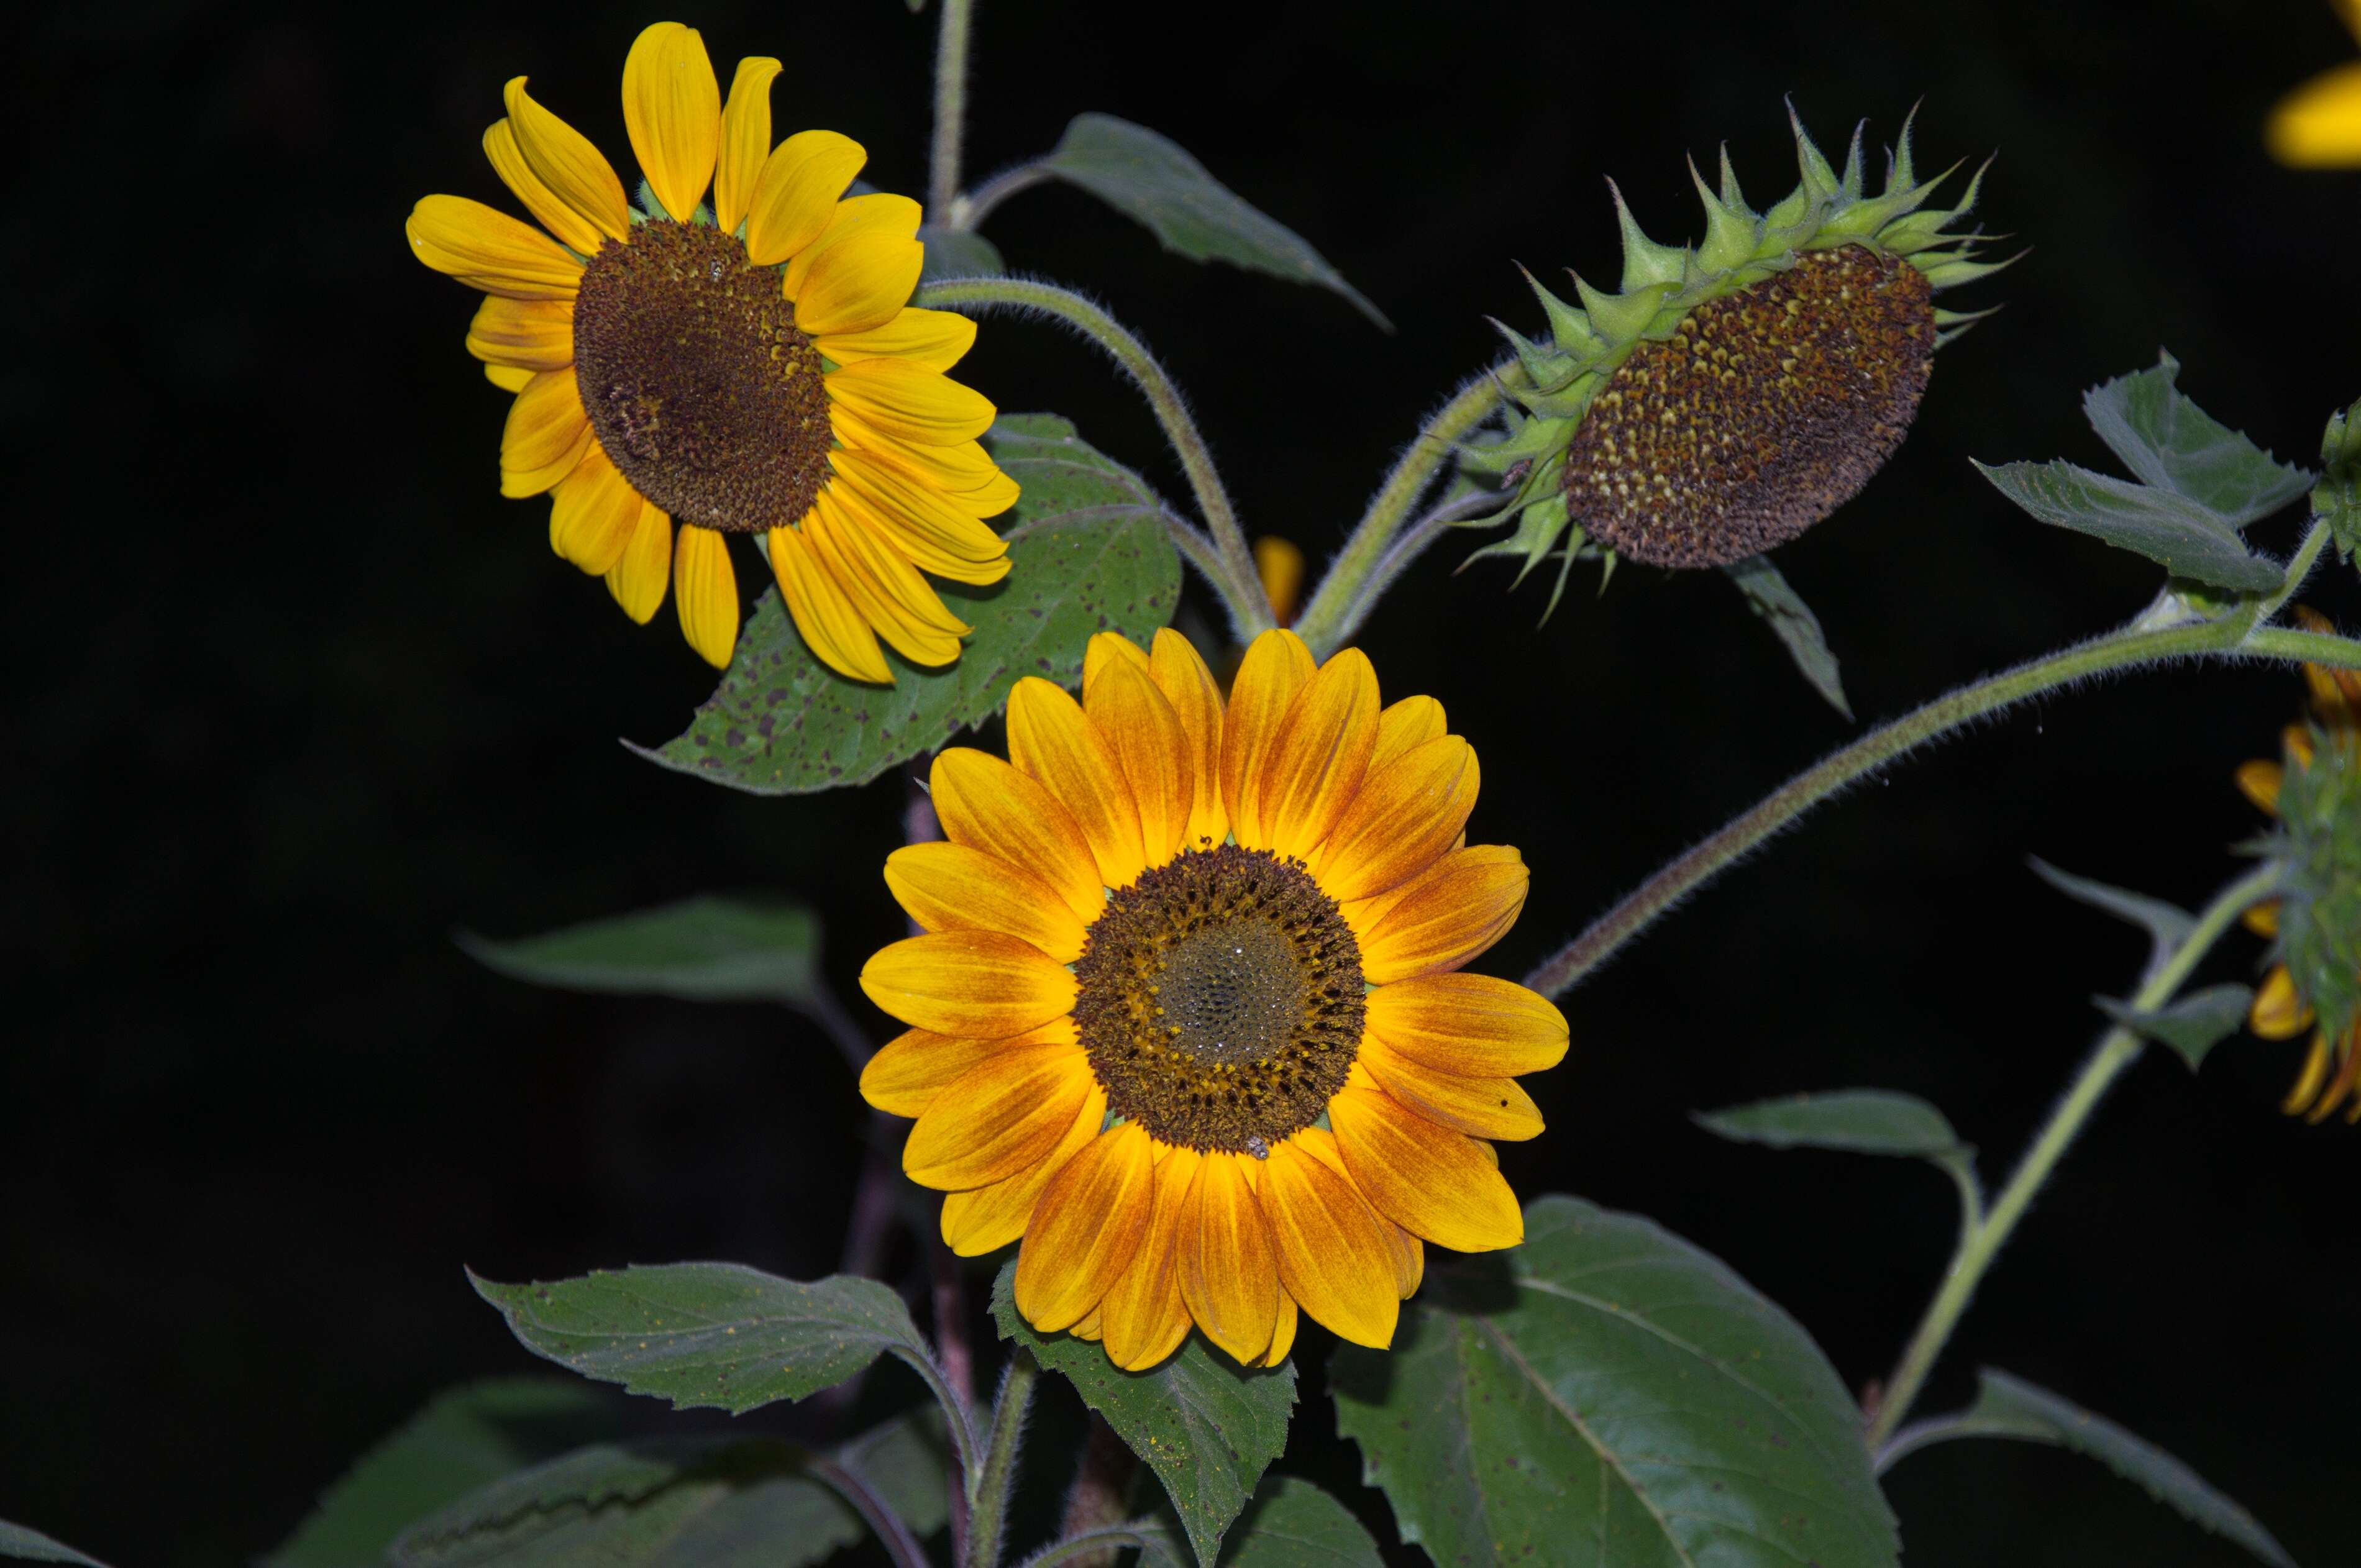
{"x": 2318, "y": 125}
{"x": 1734, "y": 391}
{"x": 748, "y": 365}
{"x": 1189, "y": 1014}
{"x": 2314, "y": 981}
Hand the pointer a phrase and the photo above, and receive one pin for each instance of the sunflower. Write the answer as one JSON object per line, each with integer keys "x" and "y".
{"x": 1190, "y": 1018}
{"x": 2318, "y": 125}
{"x": 2314, "y": 982}
{"x": 751, "y": 366}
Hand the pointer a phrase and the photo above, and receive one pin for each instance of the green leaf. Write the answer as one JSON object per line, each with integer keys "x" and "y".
{"x": 1289, "y": 1524}
{"x": 1151, "y": 179}
{"x": 1088, "y": 553}
{"x": 701, "y": 949}
{"x": 1858, "y": 1120}
{"x": 2011, "y": 1408}
{"x": 31, "y": 1545}
{"x": 907, "y": 1461}
{"x": 2192, "y": 1025}
{"x": 1205, "y": 1426}
{"x": 958, "y": 253}
{"x": 2167, "y": 924}
{"x": 2169, "y": 529}
{"x": 465, "y": 1438}
{"x": 1613, "y": 1397}
{"x": 1797, "y": 629}
{"x": 2336, "y": 500}
{"x": 2170, "y": 444}
{"x": 716, "y": 1335}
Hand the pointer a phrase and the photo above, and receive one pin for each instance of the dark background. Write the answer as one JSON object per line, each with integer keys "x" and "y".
{"x": 295, "y": 693}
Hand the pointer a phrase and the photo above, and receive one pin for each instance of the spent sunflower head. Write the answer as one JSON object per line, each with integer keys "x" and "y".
{"x": 1190, "y": 1018}
{"x": 1735, "y": 391}
{"x": 2314, "y": 922}
{"x": 750, "y": 365}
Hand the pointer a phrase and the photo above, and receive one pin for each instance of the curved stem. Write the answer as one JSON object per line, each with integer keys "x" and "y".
{"x": 1237, "y": 582}
{"x": 1413, "y": 542}
{"x": 1107, "y": 1539}
{"x": 2312, "y": 647}
{"x": 950, "y": 109}
{"x": 892, "y": 1530}
{"x": 972, "y": 209}
{"x": 988, "y": 1493}
{"x": 1980, "y": 1244}
{"x": 1323, "y": 623}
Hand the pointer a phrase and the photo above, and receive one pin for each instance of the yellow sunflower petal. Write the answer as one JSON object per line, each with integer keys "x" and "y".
{"x": 909, "y": 595}
{"x": 1053, "y": 740}
{"x": 1472, "y": 1023}
{"x": 1405, "y": 816}
{"x": 2263, "y": 919}
{"x": 986, "y": 804}
{"x": 1151, "y": 748}
{"x": 877, "y": 212}
{"x": 910, "y": 403}
{"x": 922, "y": 523}
{"x": 1086, "y": 1229}
{"x": 999, "y": 1117}
{"x": 705, "y": 592}
{"x": 573, "y": 173}
{"x": 2348, "y": 1072}
{"x": 859, "y": 284}
{"x": 988, "y": 1218}
{"x": 1103, "y": 648}
{"x": 545, "y": 436}
{"x": 1322, "y": 752}
{"x": 2279, "y": 1013}
{"x": 745, "y": 140}
{"x": 639, "y": 575}
{"x": 1446, "y": 914}
{"x": 910, "y": 1071}
{"x": 797, "y": 194}
{"x": 1410, "y": 1260}
{"x": 508, "y": 377}
{"x": 950, "y": 887}
{"x": 596, "y": 514}
{"x": 1228, "y": 1275}
{"x": 2308, "y": 1081}
{"x": 672, "y": 110}
{"x": 883, "y": 589}
{"x": 2318, "y": 125}
{"x": 968, "y": 983}
{"x": 532, "y": 335}
{"x": 1282, "y": 1331}
{"x": 962, "y": 471}
{"x": 1413, "y": 721}
{"x": 1143, "y": 1318}
{"x": 1479, "y": 1107}
{"x": 935, "y": 339}
{"x": 1189, "y": 687}
{"x": 1277, "y": 665}
{"x": 1332, "y": 1253}
{"x": 485, "y": 249}
{"x": 2260, "y": 782}
{"x": 1434, "y": 1183}
{"x": 2297, "y": 739}
{"x": 825, "y": 619}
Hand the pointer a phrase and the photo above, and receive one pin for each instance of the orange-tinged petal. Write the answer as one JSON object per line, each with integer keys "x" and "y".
{"x": 877, "y": 212}
{"x": 573, "y": 171}
{"x": 910, "y": 403}
{"x": 1405, "y": 816}
{"x": 935, "y": 339}
{"x": 1410, "y": 1260}
{"x": 1000, "y": 1116}
{"x": 1143, "y": 1318}
{"x": 2348, "y": 1072}
{"x": 1479, "y": 1107}
{"x": 596, "y": 514}
{"x": 1189, "y": 687}
{"x": 825, "y": 619}
{"x": 641, "y": 574}
{"x": 797, "y": 192}
{"x": 858, "y": 283}
{"x": 1277, "y": 665}
{"x": 1151, "y": 747}
{"x": 1471, "y": 1024}
{"x": 2318, "y": 125}
{"x": 2279, "y": 1012}
{"x": 1434, "y": 1183}
{"x": 485, "y": 249}
{"x": 1279, "y": 564}
{"x": 986, "y": 804}
{"x": 1103, "y": 648}
{"x": 988, "y": 1218}
{"x": 745, "y": 140}
{"x": 1228, "y": 1275}
{"x": 1087, "y": 1229}
{"x": 1413, "y": 721}
{"x": 1447, "y": 915}
{"x": 1053, "y": 740}
{"x": 968, "y": 983}
{"x": 672, "y": 110}
{"x": 950, "y": 887}
{"x": 705, "y": 593}
{"x": 2263, "y": 919}
{"x": 1332, "y": 1253}
{"x": 532, "y": 335}
{"x": 1322, "y": 752}
{"x": 1282, "y": 1331}
{"x": 2261, "y": 782}
{"x": 910, "y": 1071}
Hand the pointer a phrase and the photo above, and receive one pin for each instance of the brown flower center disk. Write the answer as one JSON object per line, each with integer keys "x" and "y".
{"x": 1221, "y": 1000}
{"x": 1767, "y": 411}
{"x": 696, "y": 382}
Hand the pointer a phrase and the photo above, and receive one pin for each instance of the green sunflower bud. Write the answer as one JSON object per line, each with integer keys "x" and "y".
{"x": 2318, "y": 846}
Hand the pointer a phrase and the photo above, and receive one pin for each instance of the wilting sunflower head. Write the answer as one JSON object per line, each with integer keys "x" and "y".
{"x": 1737, "y": 390}
{"x": 747, "y": 366}
{"x": 1189, "y": 1016}
{"x": 2315, "y": 983}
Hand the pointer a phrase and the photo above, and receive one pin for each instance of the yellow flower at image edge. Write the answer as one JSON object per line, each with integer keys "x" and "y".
{"x": 2314, "y": 984}
{"x": 2318, "y": 125}
{"x": 752, "y": 366}
{"x": 1189, "y": 1017}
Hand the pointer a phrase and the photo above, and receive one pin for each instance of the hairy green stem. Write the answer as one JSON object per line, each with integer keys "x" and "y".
{"x": 1981, "y": 1243}
{"x": 2312, "y": 647}
{"x": 988, "y": 1493}
{"x": 1331, "y": 616}
{"x": 950, "y": 109}
{"x": 973, "y": 208}
{"x": 1237, "y": 580}
{"x": 1105, "y": 1540}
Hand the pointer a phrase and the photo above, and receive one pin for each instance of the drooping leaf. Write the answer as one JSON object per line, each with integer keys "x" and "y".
{"x": 1088, "y": 553}
{"x": 958, "y": 253}
{"x": 1150, "y": 179}
{"x": 710, "y": 1334}
{"x": 2009, "y": 1407}
{"x": 1859, "y": 1121}
{"x": 32, "y": 1546}
{"x": 1792, "y": 620}
{"x": 466, "y": 1438}
{"x": 2192, "y": 1025}
{"x": 2170, "y": 444}
{"x": 1207, "y": 1428}
{"x": 2167, "y": 528}
{"x": 1610, "y": 1396}
{"x": 2168, "y": 924}
{"x": 701, "y": 949}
